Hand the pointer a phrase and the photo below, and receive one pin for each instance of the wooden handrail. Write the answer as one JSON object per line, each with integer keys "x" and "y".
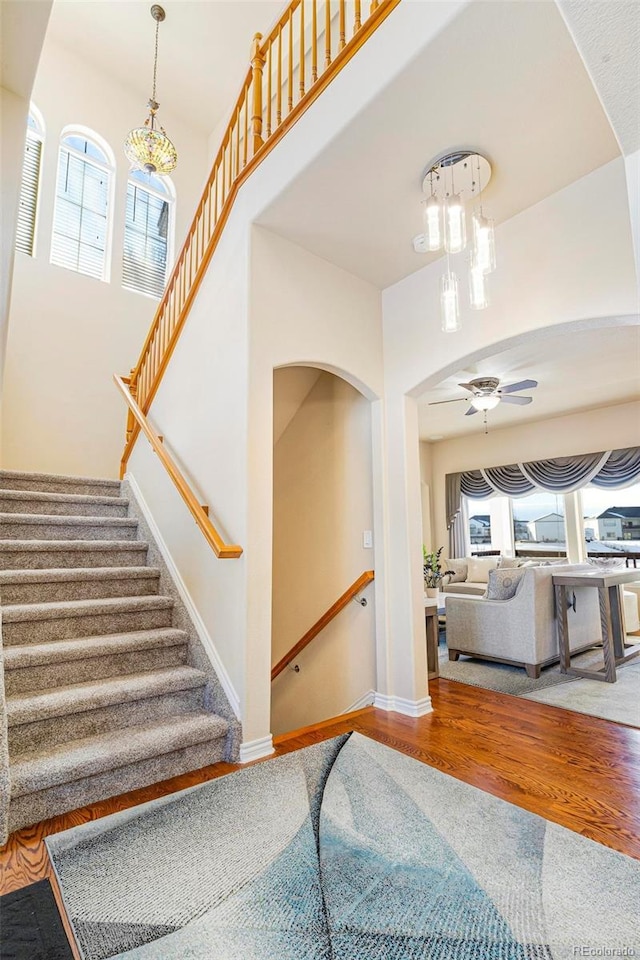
{"x": 249, "y": 138}
{"x": 325, "y": 619}
{"x": 200, "y": 513}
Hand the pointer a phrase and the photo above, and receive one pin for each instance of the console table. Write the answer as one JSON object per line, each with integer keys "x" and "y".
{"x": 607, "y": 583}
{"x": 433, "y": 608}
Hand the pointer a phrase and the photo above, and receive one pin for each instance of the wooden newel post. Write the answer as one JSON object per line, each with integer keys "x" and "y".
{"x": 257, "y": 66}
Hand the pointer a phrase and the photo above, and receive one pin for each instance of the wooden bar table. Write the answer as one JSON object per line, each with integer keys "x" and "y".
{"x": 608, "y": 584}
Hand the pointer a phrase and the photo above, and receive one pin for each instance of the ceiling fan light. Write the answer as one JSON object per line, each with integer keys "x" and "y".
{"x": 449, "y": 303}
{"x": 484, "y": 243}
{"x": 485, "y": 402}
{"x": 478, "y": 287}
{"x": 432, "y": 224}
{"x": 455, "y": 236}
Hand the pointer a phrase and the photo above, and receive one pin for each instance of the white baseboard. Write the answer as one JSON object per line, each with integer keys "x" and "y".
{"x": 185, "y": 596}
{"x": 255, "y": 749}
{"x": 409, "y": 708}
{"x": 364, "y": 701}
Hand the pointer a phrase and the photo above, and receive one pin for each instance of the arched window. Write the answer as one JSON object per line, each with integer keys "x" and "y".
{"x": 30, "y": 186}
{"x": 83, "y": 195}
{"x": 147, "y": 233}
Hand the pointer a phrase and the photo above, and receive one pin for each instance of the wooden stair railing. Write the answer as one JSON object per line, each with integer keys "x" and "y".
{"x": 199, "y": 512}
{"x": 324, "y": 620}
{"x": 297, "y": 61}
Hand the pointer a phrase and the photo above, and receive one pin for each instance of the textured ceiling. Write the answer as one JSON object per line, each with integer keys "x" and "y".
{"x": 574, "y": 371}
{"x": 203, "y": 48}
{"x": 504, "y": 78}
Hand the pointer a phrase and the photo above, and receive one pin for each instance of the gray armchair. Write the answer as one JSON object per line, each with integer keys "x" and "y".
{"x": 522, "y": 630}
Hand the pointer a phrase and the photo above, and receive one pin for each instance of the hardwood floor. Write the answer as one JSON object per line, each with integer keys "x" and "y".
{"x": 579, "y": 771}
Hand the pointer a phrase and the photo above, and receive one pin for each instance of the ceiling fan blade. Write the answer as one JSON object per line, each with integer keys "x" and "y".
{"x": 522, "y": 385}
{"x": 470, "y": 411}
{"x": 467, "y": 386}
{"x": 521, "y": 400}
{"x": 434, "y": 403}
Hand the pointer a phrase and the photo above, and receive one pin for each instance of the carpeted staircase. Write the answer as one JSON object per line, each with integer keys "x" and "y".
{"x": 100, "y": 694}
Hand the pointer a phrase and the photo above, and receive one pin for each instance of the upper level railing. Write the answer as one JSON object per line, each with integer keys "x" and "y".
{"x": 309, "y": 45}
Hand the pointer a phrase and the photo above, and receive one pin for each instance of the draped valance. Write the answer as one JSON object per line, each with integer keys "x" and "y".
{"x": 608, "y": 470}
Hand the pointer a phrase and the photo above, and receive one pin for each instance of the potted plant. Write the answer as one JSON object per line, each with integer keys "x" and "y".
{"x": 433, "y": 573}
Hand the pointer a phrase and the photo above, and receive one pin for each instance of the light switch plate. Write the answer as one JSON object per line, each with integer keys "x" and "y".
{"x": 367, "y": 539}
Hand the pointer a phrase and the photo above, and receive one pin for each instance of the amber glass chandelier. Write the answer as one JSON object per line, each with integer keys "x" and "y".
{"x": 148, "y": 147}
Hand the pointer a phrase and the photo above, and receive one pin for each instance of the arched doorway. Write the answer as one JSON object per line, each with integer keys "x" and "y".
{"x": 323, "y": 517}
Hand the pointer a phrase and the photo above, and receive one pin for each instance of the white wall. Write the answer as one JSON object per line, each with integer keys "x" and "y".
{"x": 306, "y": 311}
{"x": 322, "y": 503}
{"x": 69, "y": 333}
{"x": 201, "y": 410}
{"x": 589, "y": 431}
{"x": 22, "y": 32}
{"x": 565, "y": 260}
{"x": 13, "y": 111}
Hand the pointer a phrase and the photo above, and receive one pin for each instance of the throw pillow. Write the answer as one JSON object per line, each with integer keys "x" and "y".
{"x": 503, "y": 583}
{"x": 459, "y": 568}
{"x": 509, "y": 563}
{"x": 478, "y": 568}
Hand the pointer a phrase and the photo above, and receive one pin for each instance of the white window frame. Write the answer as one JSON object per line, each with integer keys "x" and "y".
{"x": 170, "y": 198}
{"x": 110, "y": 168}
{"x": 38, "y": 134}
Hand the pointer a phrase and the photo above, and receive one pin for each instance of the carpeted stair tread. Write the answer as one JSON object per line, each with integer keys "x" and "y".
{"x": 82, "y": 648}
{"x": 17, "y": 546}
{"x": 109, "y": 751}
{"x": 69, "y": 554}
{"x": 28, "y": 526}
{"x": 17, "y": 479}
{"x": 63, "y": 609}
{"x": 64, "y": 504}
{"x": 77, "y": 574}
{"x": 80, "y": 697}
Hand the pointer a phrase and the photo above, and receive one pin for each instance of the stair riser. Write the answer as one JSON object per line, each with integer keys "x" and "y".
{"x": 66, "y": 531}
{"x": 34, "y": 807}
{"x": 63, "y": 509}
{"x": 51, "y": 675}
{"x": 39, "y": 485}
{"x": 90, "y": 625}
{"x": 62, "y": 559}
{"x": 78, "y": 590}
{"x": 54, "y": 731}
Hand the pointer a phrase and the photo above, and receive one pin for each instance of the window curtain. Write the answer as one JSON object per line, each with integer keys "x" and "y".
{"x": 608, "y": 470}
{"x": 453, "y": 507}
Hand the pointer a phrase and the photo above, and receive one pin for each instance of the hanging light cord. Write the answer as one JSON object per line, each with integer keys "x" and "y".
{"x": 155, "y": 62}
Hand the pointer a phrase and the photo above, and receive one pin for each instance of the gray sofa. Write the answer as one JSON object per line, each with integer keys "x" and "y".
{"x": 470, "y": 574}
{"x": 521, "y": 630}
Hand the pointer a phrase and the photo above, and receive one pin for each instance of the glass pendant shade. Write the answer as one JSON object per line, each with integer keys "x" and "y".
{"x": 150, "y": 150}
{"x": 449, "y": 303}
{"x": 485, "y": 403}
{"x": 484, "y": 243}
{"x": 455, "y": 236}
{"x": 478, "y": 292}
{"x": 148, "y": 147}
{"x": 433, "y": 224}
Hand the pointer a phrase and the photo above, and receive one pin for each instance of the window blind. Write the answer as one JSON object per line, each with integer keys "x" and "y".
{"x": 27, "y": 205}
{"x": 144, "y": 262}
{"x": 80, "y": 219}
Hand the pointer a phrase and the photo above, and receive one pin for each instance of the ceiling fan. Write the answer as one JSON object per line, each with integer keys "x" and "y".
{"x": 486, "y": 393}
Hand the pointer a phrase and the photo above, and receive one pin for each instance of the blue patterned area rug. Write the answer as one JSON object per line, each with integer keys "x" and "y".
{"x": 347, "y": 850}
